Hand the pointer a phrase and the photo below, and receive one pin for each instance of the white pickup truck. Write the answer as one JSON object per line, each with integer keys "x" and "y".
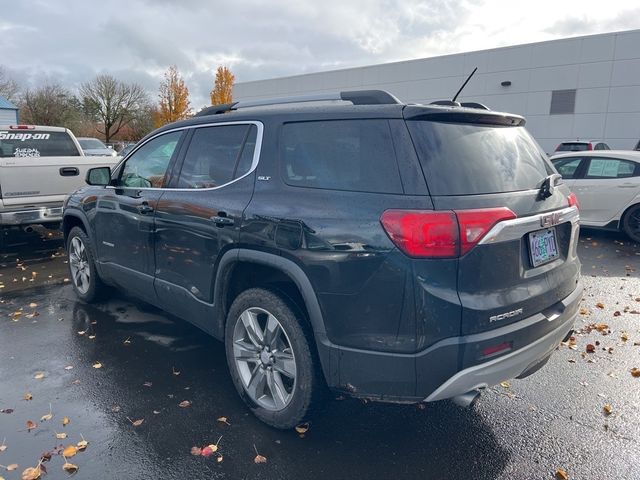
{"x": 39, "y": 167}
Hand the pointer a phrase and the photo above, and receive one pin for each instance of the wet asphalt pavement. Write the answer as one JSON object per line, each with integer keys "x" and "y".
{"x": 151, "y": 362}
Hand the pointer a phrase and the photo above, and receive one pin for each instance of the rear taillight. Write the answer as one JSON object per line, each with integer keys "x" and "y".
{"x": 589, "y": 146}
{"x": 573, "y": 200}
{"x": 474, "y": 224}
{"x": 440, "y": 234}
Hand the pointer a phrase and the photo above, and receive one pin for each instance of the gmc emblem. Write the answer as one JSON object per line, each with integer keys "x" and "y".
{"x": 550, "y": 220}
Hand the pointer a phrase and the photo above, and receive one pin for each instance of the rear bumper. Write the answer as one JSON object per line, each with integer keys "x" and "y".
{"x": 32, "y": 215}
{"x": 444, "y": 370}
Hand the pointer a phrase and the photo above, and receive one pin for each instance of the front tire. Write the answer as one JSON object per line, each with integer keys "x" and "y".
{"x": 82, "y": 268}
{"x": 631, "y": 223}
{"x": 270, "y": 359}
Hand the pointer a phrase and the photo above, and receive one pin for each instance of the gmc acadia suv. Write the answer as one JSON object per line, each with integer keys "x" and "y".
{"x": 399, "y": 253}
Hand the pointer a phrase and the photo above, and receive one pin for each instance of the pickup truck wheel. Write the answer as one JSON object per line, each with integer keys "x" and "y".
{"x": 84, "y": 277}
{"x": 270, "y": 359}
{"x": 631, "y": 223}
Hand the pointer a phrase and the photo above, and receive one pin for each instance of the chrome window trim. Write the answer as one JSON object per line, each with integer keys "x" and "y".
{"x": 254, "y": 163}
{"x": 515, "y": 229}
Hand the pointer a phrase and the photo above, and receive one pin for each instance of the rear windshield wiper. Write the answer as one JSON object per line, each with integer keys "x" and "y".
{"x": 548, "y": 186}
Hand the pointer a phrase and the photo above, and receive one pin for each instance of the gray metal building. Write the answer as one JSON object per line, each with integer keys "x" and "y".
{"x": 8, "y": 112}
{"x": 583, "y": 87}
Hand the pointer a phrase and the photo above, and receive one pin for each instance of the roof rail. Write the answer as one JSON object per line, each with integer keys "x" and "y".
{"x": 356, "y": 97}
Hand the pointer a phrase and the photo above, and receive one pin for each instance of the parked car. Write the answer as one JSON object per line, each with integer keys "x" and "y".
{"x": 93, "y": 147}
{"x": 126, "y": 149}
{"x": 581, "y": 145}
{"x": 392, "y": 252}
{"x": 39, "y": 166}
{"x": 607, "y": 185}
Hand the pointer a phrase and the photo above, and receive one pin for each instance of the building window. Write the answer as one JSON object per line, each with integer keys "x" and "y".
{"x": 562, "y": 102}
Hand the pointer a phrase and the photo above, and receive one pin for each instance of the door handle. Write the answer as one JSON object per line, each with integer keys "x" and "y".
{"x": 69, "y": 171}
{"x": 221, "y": 219}
{"x": 145, "y": 208}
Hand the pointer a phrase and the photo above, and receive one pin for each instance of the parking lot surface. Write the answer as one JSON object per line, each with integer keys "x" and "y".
{"x": 119, "y": 371}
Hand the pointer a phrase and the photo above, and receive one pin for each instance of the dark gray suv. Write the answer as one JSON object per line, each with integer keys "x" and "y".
{"x": 399, "y": 253}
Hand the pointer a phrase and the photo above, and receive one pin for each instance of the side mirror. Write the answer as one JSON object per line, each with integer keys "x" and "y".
{"x": 98, "y": 176}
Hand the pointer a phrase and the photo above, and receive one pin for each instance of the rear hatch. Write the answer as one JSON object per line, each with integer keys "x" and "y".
{"x": 517, "y": 262}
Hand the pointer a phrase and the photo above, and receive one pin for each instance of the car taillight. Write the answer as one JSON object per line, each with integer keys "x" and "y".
{"x": 474, "y": 224}
{"x": 573, "y": 200}
{"x": 589, "y": 146}
{"x": 440, "y": 234}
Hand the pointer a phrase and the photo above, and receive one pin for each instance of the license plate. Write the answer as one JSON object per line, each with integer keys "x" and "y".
{"x": 543, "y": 246}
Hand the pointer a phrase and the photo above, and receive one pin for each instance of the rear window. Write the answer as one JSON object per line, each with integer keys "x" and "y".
{"x": 355, "y": 155}
{"x": 572, "y": 147}
{"x": 467, "y": 159}
{"x": 36, "y": 143}
{"x": 91, "y": 143}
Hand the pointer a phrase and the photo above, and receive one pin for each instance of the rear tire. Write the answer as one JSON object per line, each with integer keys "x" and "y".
{"x": 82, "y": 268}
{"x": 631, "y": 223}
{"x": 271, "y": 359}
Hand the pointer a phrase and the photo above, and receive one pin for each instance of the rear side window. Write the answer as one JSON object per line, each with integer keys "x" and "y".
{"x": 467, "y": 159}
{"x": 36, "y": 143}
{"x": 355, "y": 155}
{"x": 217, "y": 155}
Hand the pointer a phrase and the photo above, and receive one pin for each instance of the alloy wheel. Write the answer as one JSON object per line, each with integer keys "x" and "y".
{"x": 264, "y": 359}
{"x": 79, "y": 265}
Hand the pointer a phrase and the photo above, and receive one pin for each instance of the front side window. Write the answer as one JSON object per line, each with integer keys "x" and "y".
{"x": 217, "y": 155}
{"x": 567, "y": 167}
{"x": 610, "y": 168}
{"x": 355, "y": 155}
{"x": 147, "y": 167}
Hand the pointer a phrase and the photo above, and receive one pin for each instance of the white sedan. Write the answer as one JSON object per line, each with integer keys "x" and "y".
{"x": 607, "y": 184}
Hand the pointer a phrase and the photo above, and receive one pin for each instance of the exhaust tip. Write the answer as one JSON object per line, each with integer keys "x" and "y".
{"x": 466, "y": 400}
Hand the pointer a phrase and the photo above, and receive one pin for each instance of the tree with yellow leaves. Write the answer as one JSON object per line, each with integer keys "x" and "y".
{"x": 223, "y": 87}
{"x": 174, "y": 98}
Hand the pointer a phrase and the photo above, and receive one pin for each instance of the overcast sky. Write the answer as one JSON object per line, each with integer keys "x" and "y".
{"x": 69, "y": 41}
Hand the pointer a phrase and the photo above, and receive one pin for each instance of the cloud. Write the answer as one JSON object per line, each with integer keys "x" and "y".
{"x": 138, "y": 41}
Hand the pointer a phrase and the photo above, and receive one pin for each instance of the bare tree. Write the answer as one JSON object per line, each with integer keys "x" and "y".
{"x": 50, "y": 105}
{"x": 112, "y": 102}
{"x": 8, "y": 87}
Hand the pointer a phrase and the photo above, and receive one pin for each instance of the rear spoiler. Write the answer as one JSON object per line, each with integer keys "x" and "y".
{"x": 461, "y": 114}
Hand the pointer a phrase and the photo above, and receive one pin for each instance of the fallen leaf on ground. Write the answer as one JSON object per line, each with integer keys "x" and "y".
{"x": 209, "y": 450}
{"x": 504, "y": 384}
{"x": 584, "y": 311}
{"x": 617, "y": 313}
{"x": 61, "y": 436}
{"x": 12, "y": 467}
{"x": 39, "y": 376}
{"x": 65, "y": 421}
{"x": 32, "y": 473}
{"x": 156, "y": 412}
{"x": 127, "y": 341}
{"x": 302, "y": 428}
{"x": 259, "y": 458}
{"x": 219, "y": 458}
{"x": 136, "y": 423}
{"x": 561, "y": 474}
{"x": 82, "y": 332}
{"x": 608, "y": 409}
{"x": 624, "y": 336}
{"x": 115, "y": 408}
{"x": 196, "y": 451}
{"x": 174, "y": 371}
{"x": 82, "y": 444}
{"x": 69, "y": 451}
{"x": 147, "y": 384}
{"x": 600, "y": 305}
{"x": 31, "y": 425}
{"x": 590, "y": 348}
{"x": 97, "y": 365}
{"x": 635, "y": 372}
{"x": 33, "y": 305}
{"x": 70, "y": 467}
{"x": 223, "y": 420}
{"x": 91, "y": 337}
{"x": 68, "y": 367}
{"x": 46, "y": 417}
{"x": 184, "y": 404}
{"x": 28, "y": 396}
